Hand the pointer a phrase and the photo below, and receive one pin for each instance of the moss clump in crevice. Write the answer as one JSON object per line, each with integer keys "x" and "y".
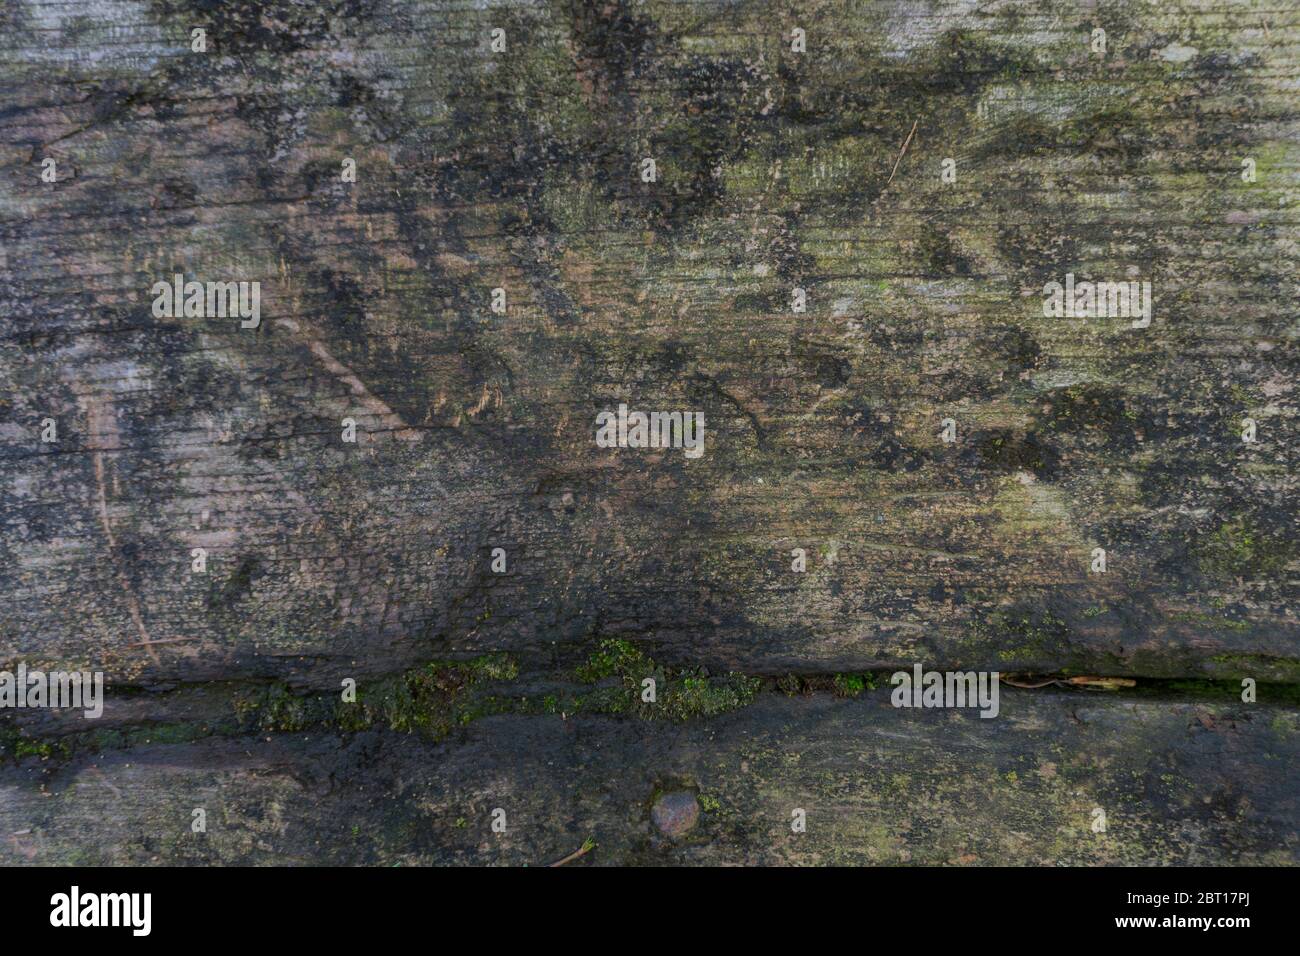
{"x": 277, "y": 708}
{"x": 16, "y": 745}
{"x": 615, "y": 658}
{"x": 433, "y": 699}
{"x": 851, "y": 685}
{"x": 680, "y": 694}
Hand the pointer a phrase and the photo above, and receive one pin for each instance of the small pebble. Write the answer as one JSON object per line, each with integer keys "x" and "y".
{"x": 675, "y": 814}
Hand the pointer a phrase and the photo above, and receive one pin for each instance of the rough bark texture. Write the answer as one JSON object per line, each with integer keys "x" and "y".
{"x": 521, "y": 170}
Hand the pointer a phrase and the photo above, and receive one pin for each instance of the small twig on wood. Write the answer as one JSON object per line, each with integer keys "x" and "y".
{"x": 907, "y": 142}
{"x": 1008, "y": 680}
{"x": 1092, "y": 683}
{"x": 164, "y": 640}
{"x": 1101, "y": 683}
{"x": 587, "y": 846}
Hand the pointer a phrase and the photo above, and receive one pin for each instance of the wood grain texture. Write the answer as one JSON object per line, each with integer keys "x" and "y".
{"x": 775, "y": 171}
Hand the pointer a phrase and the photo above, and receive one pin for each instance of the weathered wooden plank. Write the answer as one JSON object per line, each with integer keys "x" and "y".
{"x": 1177, "y": 782}
{"x": 776, "y": 171}
{"x": 519, "y": 169}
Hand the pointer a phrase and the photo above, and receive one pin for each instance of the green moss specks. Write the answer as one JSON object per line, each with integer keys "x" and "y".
{"x": 1092, "y": 412}
{"x": 679, "y": 694}
{"x": 1021, "y": 632}
{"x": 1210, "y": 621}
{"x": 1237, "y": 548}
{"x": 1016, "y": 451}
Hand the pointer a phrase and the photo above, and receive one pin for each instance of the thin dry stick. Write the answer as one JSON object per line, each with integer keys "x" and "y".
{"x": 907, "y": 142}
{"x": 587, "y": 846}
{"x": 1008, "y": 680}
{"x": 164, "y": 640}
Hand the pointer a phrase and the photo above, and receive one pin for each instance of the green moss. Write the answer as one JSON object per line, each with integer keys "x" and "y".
{"x": 15, "y": 744}
{"x": 680, "y": 694}
{"x": 1237, "y": 548}
{"x": 613, "y": 658}
{"x": 791, "y": 685}
{"x": 432, "y": 699}
{"x": 851, "y": 685}
{"x": 692, "y": 696}
{"x": 1021, "y": 632}
{"x": 33, "y": 748}
{"x": 277, "y": 708}
{"x": 1211, "y": 620}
